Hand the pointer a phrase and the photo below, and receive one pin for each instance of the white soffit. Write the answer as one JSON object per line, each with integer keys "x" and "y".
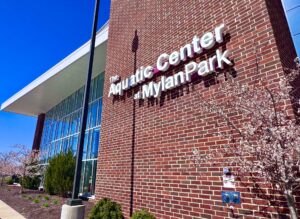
{"x": 60, "y": 81}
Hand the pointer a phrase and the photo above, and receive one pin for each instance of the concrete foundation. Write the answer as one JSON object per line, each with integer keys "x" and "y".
{"x": 72, "y": 212}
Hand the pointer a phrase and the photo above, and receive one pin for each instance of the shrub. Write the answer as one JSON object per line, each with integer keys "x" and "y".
{"x": 36, "y": 201}
{"x": 30, "y": 182}
{"x": 142, "y": 214}
{"x": 55, "y": 202}
{"x": 106, "y": 209}
{"x": 15, "y": 179}
{"x": 10, "y": 181}
{"x": 60, "y": 174}
{"x": 29, "y": 198}
{"x": 46, "y": 205}
{"x": 46, "y": 198}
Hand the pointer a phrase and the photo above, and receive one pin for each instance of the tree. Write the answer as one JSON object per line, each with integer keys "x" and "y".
{"x": 26, "y": 163}
{"x": 6, "y": 165}
{"x": 60, "y": 174}
{"x": 264, "y": 142}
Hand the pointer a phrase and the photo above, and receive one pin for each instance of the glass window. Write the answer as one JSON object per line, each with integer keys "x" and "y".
{"x": 78, "y": 120}
{"x": 80, "y": 97}
{"x": 73, "y": 123}
{"x": 292, "y": 11}
{"x": 88, "y": 122}
{"x": 72, "y": 103}
{"x": 74, "y": 144}
{"x": 93, "y": 114}
{"x": 66, "y": 127}
{"x": 294, "y": 20}
{"x": 52, "y": 150}
{"x": 53, "y": 130}
{"x": 297, "y": 44}
{"x": 92, "y": 90}
{"x": 87, "y": 186}
{"x": 58, "y": 133}
{"x": 85, "y": 145}
{"x": 82, "y": 176}
{"x": 67, "y": 106}
{"x": 95, "y": 143}
{"x": 290, "y": 4}
{"x": 99, "y": 111}
{"x": 94, "y": 175}
{"x": 64, "y": 145}
{"x": 62, "y": 127}
{"x": 95, "y": 87}
{"x": 58, "y": 147}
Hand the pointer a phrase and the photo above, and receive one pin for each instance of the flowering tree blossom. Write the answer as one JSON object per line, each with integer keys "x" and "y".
{"x": 6, "y": 165}
{"x": 26, "y": 162}
{"x": 259, "y": 123}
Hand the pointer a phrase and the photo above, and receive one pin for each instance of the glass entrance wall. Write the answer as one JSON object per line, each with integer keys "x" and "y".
{"x": 61, "y": 131}
{"x": 292, "y": 10}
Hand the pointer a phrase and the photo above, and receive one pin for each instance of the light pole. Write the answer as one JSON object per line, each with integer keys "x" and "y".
{"x": 74, "y": 207}
{"x": 74, "y": 200}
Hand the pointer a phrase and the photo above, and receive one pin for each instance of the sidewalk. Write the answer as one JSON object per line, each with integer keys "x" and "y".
{"x": 7, "y": 212}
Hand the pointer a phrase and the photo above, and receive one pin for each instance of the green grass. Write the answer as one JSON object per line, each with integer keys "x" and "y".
{"x": 55, "y": 202}
{"x": 46, "y": 205}
{"x": 36, "y": 201}
{"x": 46, "y": 198}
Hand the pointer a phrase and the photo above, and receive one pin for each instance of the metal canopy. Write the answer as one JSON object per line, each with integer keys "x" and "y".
{"x": 60, "y": 81}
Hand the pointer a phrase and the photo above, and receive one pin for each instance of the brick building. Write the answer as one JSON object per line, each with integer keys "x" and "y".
{"x": 144, "y": 143}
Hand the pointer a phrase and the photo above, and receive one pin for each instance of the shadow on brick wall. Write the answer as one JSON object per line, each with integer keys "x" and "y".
{"x": 134, "y": 49}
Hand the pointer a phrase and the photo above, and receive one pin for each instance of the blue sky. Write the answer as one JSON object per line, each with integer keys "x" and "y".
{"x": 34, "y": 36}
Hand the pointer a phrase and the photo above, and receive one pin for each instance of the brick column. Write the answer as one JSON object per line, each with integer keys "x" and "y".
{"x": 38, "y": 132}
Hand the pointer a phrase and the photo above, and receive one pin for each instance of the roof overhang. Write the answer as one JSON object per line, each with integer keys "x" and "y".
{"x": 60, "y": 81}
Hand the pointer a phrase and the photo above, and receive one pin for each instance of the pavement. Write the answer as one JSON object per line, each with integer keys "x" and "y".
{"x": 7, "y": 212}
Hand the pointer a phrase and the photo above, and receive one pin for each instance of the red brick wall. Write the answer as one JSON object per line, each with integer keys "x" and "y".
{"x": 161, "y": 133}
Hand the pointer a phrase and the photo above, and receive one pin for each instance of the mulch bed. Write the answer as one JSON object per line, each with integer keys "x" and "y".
{"x": 34, "y": 204}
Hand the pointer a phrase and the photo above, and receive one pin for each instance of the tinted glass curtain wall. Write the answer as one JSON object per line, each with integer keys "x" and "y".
{"x": 292, "y": 10}
{"x": 61, "y": 131}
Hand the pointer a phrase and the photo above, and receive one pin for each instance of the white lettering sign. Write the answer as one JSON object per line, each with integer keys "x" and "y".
{"x": 165, "y": 61}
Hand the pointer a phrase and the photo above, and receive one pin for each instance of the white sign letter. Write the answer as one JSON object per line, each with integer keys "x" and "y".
{"x": 190, "y": 69}
{"x": 111, "y": 90}
{"x": 219, "y": 33}
{"x": 222, "y": 57}
{"x": 162, "y": 63}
